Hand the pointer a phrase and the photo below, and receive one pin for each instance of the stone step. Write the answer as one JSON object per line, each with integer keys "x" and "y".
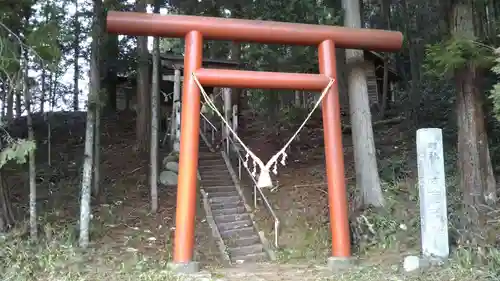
{"x": 225, "y": 199}
{"x": 217, "y": 177}
{"x": 257, "y": 257}
{"x": 226, "y": 205}
{"x": 213, "y": 159}
{"x": 233, "y": 222}
{"x": 234, "y": 225}
{"x": 216, "y": 182}
{"x": 218, "y": 188}
{"x": 215, "y": 173}
{"x": 211, "y": 166}
{"x": 232, "y": 217}
{"x": 238, "y": 233}
{"x": 208, "y": 154}
{"x": 228, "y": 211}
{"x": 242, "y": 241}
{"x": 223, "y": 194}
{"x": 245, "y": 251}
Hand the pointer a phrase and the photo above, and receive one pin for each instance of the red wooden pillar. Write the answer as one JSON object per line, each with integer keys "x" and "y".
{"x": 334, "y": 155}
{"x": 188, "y": 155}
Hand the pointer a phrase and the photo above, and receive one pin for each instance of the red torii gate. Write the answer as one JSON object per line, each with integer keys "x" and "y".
{"x": 195, "y": 29}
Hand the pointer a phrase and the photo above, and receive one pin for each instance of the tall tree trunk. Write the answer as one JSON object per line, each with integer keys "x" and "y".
{"x": 386, "y": 15}
{"x": 414, "y": 86}
{"x": 155, "y": 95}
{"x": 85, "y": 209}
{"x": 237, "y": 93}
{"x": 76, "y": 64}
{"x": 19, "y": 108}
{"x": 42, "y": 95}
{"x": 492, "y": 20}
{"x": 53, "y": 90}
{"x": 143, "y": 96}
{"x": 98, "y": 99}
{"x": 111, "y": 76}
{"x": 6, "y": 215}
{"x": 367, "y": 178}
{"x": 488, "y": 178}
{"x": 44, "y": 71}
{"x": 10, "y": 102}
{"x": 97, "y": 148}
{"x": 32, "y": 162}
{"x": 476, "y": 173}
{"x": 3, "y": 99}
{"x": 110, "y": 60}
{"x": 341, "y": 66}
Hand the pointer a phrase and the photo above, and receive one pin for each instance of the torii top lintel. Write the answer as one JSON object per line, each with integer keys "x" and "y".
{"x": 267, "y": 32}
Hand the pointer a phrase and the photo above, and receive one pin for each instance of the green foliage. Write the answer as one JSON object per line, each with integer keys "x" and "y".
{"x": 263, "y": 101}
{"x": 43, "y": 41}
{"x": 207, "y": 111}
{"x": 172, "y": 45}
{"x": 18, "y": 151}
{"x": 495, "y": 92}
{"x": 445, "y": 57}
{"x": 9, "y": 54}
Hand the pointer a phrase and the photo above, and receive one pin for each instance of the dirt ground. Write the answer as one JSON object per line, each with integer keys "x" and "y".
{"x": 130, "y": 243}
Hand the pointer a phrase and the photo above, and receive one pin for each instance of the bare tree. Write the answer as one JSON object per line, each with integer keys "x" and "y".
{"x": 143, "y": 96}
{"x": 386, "y": 14}
{"x": 76, "y": 65}
{"x": 85, "y": 209}
{"x": 155, "y": 93}
{"x": 98, "y": 101}
{"x": 32, "y": 162}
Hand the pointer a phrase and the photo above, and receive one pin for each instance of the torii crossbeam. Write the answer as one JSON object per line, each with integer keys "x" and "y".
{"x": 195, "y": 29}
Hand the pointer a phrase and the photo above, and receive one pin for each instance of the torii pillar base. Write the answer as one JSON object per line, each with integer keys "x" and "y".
{"x": 335, "y": 264}
{"x": 184, "y": 268}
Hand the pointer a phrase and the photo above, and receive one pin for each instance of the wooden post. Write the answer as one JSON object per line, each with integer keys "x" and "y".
{"x": 176, "y": 112}
{"x": 227, "y": 115}
{"x": 235, "y": 118}
{"x": 155, "y": 95}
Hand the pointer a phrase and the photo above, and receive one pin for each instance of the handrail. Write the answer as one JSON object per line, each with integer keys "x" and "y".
{"x": 255, "y": 189}
{"x": 213, "y": 128}
{"x": 208, "y": 121}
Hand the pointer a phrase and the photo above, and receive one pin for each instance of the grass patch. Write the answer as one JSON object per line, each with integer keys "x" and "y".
{"x": 393, "y": 273}
{"x": 60, "y": 259}
{"x": 382, "y": 237}
{"x": 311, "y": 244}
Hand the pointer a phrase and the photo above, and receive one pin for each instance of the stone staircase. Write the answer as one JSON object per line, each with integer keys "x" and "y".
{"x": 241, "y": 240}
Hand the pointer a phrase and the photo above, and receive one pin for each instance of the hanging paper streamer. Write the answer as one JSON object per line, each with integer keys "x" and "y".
{"x": 264, "y": 179}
